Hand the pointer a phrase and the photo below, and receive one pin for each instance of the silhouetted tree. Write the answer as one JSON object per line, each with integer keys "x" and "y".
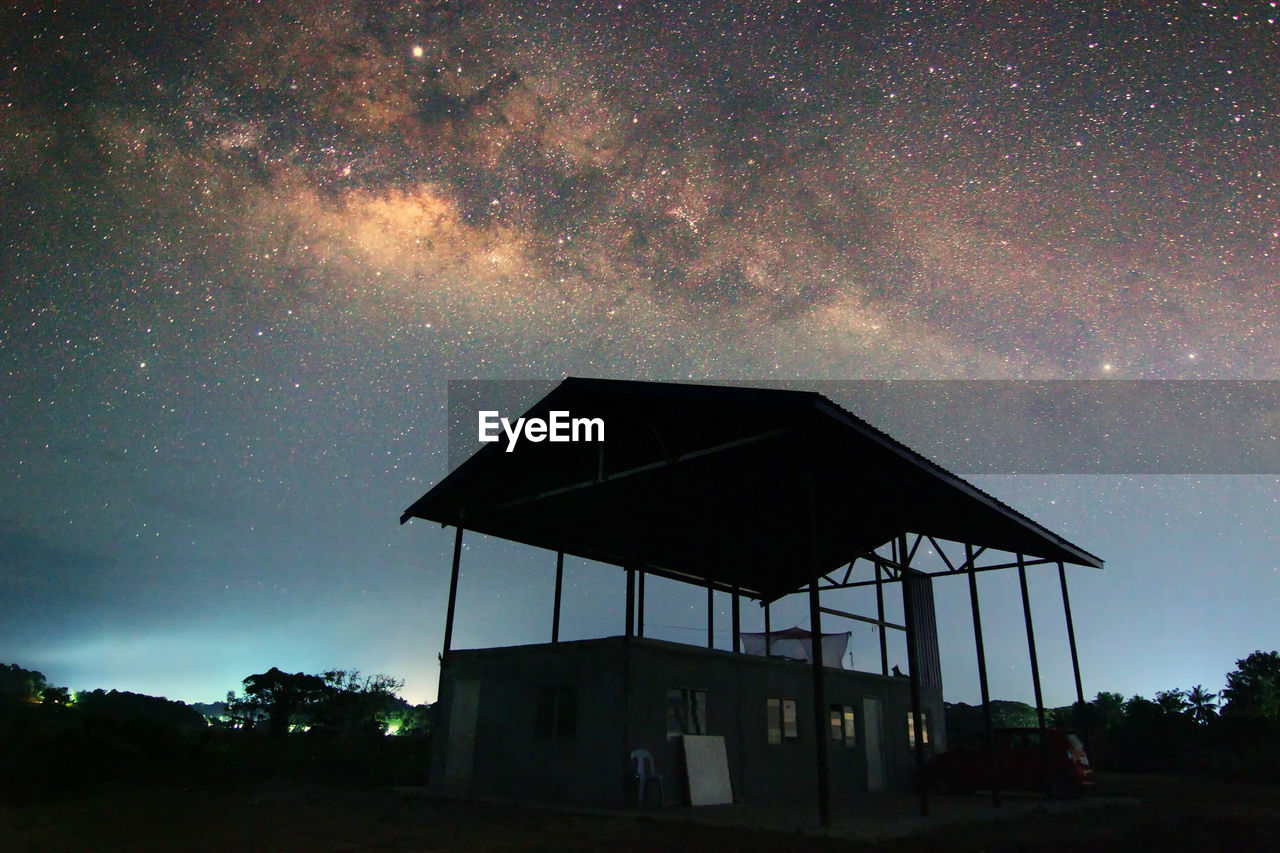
{"x": 354, "y": 703}
{"x": 125, "y": 705}
{"x": 1202, "y": 706}
{"x": 24, "y": 685}
{"x": 1253, "y": 689}
{"x": 1172, "y": 701}
{"x": 281, "y": 695}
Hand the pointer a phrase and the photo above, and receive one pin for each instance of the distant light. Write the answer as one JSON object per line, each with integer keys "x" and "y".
{"x": 417, "y": 51}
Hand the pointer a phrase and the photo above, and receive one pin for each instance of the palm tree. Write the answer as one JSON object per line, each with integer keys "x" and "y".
{"x": 1171, "y": 701}
{"x": 1202, "y": 705}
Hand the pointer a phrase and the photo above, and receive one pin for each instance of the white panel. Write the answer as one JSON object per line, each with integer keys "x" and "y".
{"x": 707, "y": 765}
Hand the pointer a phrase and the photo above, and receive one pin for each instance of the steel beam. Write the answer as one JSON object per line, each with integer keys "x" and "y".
{"x": 831, "y": 611}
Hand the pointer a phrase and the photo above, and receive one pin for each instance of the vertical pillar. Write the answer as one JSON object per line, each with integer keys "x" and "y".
{"x": 913, "y": 663}
{"x": 631, "y": 601}
{"x": 555, "y": 610}
{"x": 821, "y": 722}
{"x": 737, "y": 621}
{"x": 453, "y": 595}
{"x": 1035, "y": 664}
{"x": 768, "y": 640}
{"x": 711, "y": 615}
{"x": 982, "y": 675}
{"x": 640, "y": 604}
{"x": 1075, "y": 658}
{"x": 884, "y": 640}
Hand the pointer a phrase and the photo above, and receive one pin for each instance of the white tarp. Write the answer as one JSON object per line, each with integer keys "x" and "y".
{"x": 797, "y": 643}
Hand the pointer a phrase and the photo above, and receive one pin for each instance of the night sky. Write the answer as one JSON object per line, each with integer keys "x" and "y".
{"x": 246, "y": 245}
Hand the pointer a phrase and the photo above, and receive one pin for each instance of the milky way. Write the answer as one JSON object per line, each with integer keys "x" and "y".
{"x": 246, "y": 244}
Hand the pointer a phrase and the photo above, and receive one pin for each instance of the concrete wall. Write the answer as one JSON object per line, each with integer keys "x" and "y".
{"x": 509, "y": 759}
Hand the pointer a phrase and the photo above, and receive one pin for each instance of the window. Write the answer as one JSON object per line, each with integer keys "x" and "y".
{"x": 842, "y": 725}
{"x": 557, "y": 711}
{"x": 781, "y": 716}
{"x": 911, "y": 728}
{"x": 686, "y": 712}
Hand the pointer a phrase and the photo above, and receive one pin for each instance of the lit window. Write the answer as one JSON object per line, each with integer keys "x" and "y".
{"x": 911, "y": 728}
{"x": 781, "y": 716}
{"x": 842, "y": 725}
{"x": 686, "y": 712}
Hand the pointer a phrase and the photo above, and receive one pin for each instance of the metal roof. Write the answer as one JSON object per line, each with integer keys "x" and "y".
{"x": 761, "y": 489}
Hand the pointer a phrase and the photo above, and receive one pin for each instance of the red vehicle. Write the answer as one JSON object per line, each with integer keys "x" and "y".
{"x": 1061, "y": 766}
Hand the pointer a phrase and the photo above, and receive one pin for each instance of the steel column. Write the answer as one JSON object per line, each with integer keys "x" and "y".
{"x": 631, "y": 601}
{"x": 555, "y": 610}
{"x": 821, "y": 716}
{"x": 453, "y": 596}
{"x": 640, "y": 604}
{"x": 1075, "y": 658}
{"x": 711, "y": 615}
{"x": 884, "y": 641}
{"x": 913, "y": 663}
{"x": 1035, "y": 664}
{"x": 737, "y": 621}
{"x": 768, "y": 641}
{"x": 982, "y": 675}
{"x": 822, "y": 723}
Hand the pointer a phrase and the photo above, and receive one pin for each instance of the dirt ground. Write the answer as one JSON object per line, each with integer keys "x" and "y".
{"x": 1129, "y": 813}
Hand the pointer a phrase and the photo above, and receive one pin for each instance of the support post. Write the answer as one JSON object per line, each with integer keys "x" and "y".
{"x": 737, "y": 621}
{"x": 711, "y": 615}
{"x": 913, "y": 663}
{"x": 640, "y": 604}
{"x": 1081, "y": 720}
{"x": 884, "y": 640}
{"x": 982, "y": 676}
{"x": 555, "y": 610}
{"x": 821, "y": 722}
{"x": 453, "y": 596}
{"x": 631, "y": 602}
{"x": 1035, "y": 663}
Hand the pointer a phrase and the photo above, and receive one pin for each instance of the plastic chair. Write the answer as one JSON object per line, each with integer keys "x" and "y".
{"x": 643, "y": 770}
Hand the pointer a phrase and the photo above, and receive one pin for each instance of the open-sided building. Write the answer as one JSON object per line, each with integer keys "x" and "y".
{"x": 757, "y": 493}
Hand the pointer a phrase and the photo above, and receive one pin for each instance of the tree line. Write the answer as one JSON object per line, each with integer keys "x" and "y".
{"x": 1233, "y": 732}
{"x": 326, "y": 728}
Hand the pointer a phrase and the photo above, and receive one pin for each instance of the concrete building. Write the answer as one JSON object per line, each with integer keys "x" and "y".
{"x": 756, "y": 493}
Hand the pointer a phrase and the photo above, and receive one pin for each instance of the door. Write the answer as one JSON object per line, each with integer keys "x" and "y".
{"x": 460, "y": 755}
{"x": 873, "y": 724}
